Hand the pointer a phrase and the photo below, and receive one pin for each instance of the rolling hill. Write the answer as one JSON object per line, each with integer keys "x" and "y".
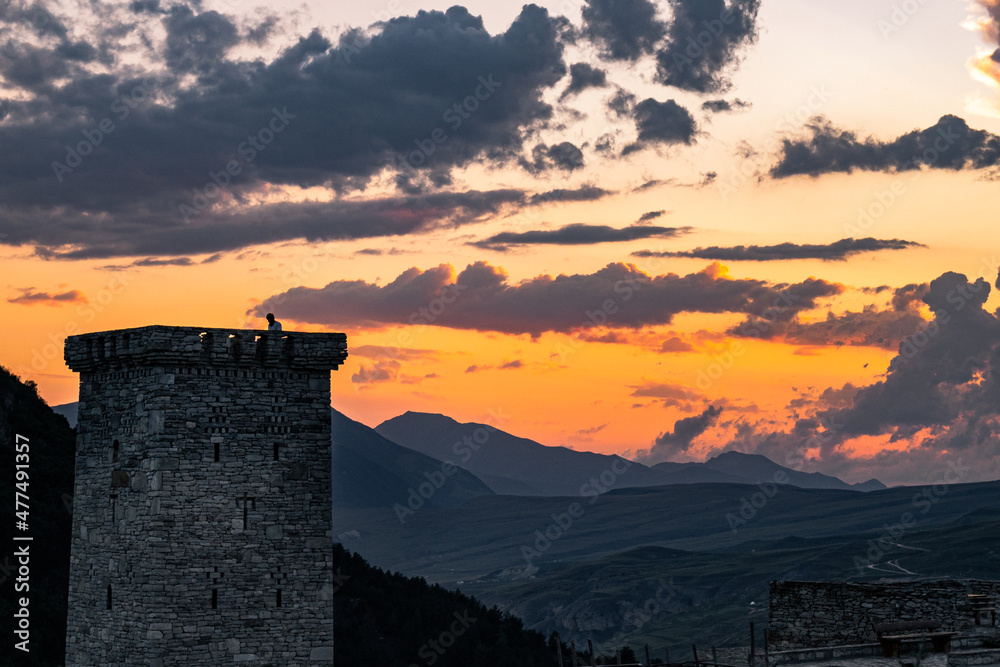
{"x": 494, "y": 534}
{"x": 592, "y": 570}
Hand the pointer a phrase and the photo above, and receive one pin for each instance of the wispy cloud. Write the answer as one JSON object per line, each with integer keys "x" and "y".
{"x": 30, "y": 297}
{"x": 838, "y": 250}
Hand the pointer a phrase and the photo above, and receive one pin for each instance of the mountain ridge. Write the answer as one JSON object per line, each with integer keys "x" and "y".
{"x": 513, "y": 465}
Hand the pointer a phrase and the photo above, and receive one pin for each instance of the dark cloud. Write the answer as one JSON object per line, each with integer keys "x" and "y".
{"x": 649, "y": 215}
{"x": 611, "y": 337}
{"x": 939, "y": 401}
{"x": 868, "y": 327}
{"x": 838, "y": 250}
{"x": 419, "y": 96}
{"x": 145, "y": 6}
{"x": 583, "y": 193}
{"x": 378, "y": 251}
{"x": 621, "y": 103}
{"x": 517, "y": 363}
{"x": 944, "y": 375}
{"x": 704, "y": 41}
{"x": 649, "y": 185}
{"x": 385, "y": 370}
{"x": 583, "y": 76}
{"x": 198, "y": 42}
{"x": 263, "y": 31}
{"x": 675, "y": 345}
{"x": 661, "y": 123}
{"x": 948, "y": 144}
{"x": 35, "y": 17}
{"x": 30, "y": 297}
{"x": 605, "y": 144}
{"x": 838, "y": 398}
{"x": 579, "y": 234}
{"x": 669, "y": 444}
{"x": 481, "y": 298}
{"x": 673, "y": 392}
{"x": 153, "y": 261}
{"x": 623, "y": 29}
{"x": 172, "y": 261}
{"x": 909, "y": 296}
{"x": 269, "y": 223}
{"x": 721, "y": 106}
{"x": 564, "y": 156}
{"x": 594, "y": 429}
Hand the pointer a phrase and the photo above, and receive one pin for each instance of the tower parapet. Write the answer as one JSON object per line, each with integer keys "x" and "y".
{"x": 202, "y": 511}
{"x": 243, "y": 348}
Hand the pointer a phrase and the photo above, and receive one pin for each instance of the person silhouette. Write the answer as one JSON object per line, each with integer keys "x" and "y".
{"x": 272, "y": 324}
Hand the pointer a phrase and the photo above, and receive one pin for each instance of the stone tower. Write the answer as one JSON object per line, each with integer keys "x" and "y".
{"x": 202, "y": 508}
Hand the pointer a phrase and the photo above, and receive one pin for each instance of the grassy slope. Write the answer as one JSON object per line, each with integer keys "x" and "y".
{"x": 610, "y": 563}
{"x": 487, "y": 534}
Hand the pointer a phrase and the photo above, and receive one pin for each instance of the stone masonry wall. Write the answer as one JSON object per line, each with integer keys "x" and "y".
{"x": 805, "y": 614}
{"x": 202, "y": 490}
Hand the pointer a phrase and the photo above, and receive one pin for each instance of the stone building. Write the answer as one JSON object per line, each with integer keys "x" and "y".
{"x": 809, "y": 614}
{"x": 202, "y": 508}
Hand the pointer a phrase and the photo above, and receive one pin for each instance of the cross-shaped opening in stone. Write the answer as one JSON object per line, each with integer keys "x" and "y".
{"x": 114, "y": 452}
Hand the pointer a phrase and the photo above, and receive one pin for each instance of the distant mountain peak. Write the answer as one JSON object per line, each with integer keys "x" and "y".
{"x": 733, "y": 455}
{"x": 424, "y": 417}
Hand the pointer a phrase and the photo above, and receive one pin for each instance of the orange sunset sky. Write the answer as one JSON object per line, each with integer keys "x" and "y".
{"x": 659, "y": 229}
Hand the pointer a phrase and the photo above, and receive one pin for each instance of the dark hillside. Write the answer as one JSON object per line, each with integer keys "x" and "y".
{"x": 388, "y": 619}
{"x": 51, "y": 452}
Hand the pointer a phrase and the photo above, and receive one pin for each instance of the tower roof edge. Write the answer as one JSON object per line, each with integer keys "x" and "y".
{"x": 159, "y": 345}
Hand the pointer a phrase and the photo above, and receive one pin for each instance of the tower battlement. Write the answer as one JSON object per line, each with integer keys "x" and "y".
{"x": 202, "y": 506}
{"x": 198, "y": 346}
